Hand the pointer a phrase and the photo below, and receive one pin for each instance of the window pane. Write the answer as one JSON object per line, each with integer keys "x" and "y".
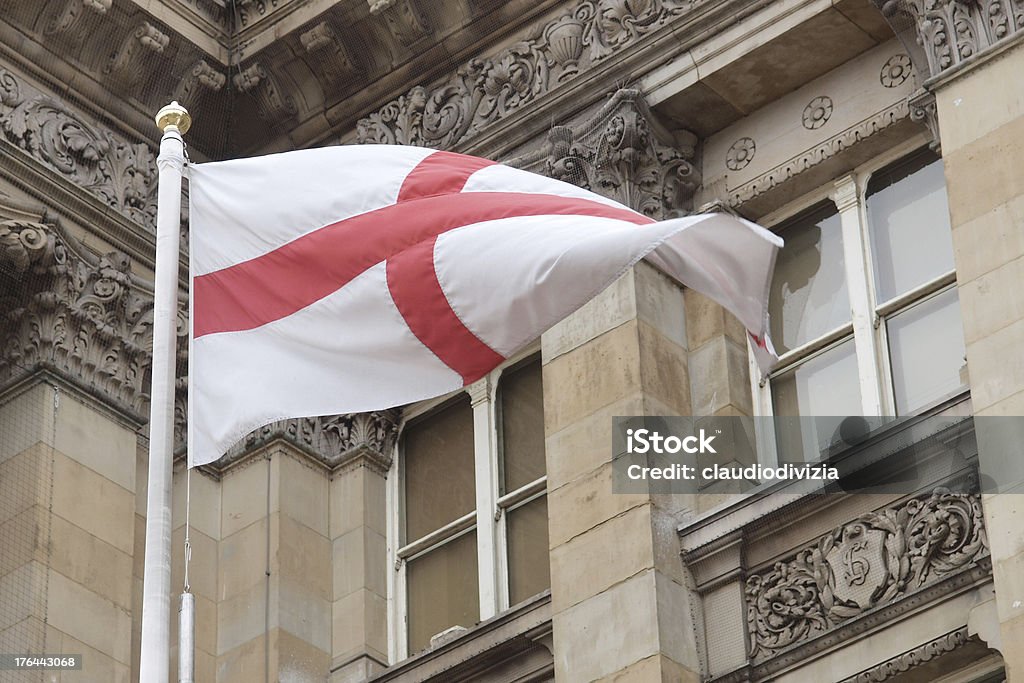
{"x": 528, "y": 569}
{"x": 926, "y": 344}
{"x": 808, "y": 296}
{"x": 825, "y": 386}
{"x": 443, "y": 590}
{"x": 908, "y": 221}
{"x": 439, "y": 475}
{"x": 522, "y": 426}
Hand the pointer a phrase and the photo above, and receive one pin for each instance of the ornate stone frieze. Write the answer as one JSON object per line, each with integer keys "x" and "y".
{"x": 487, "y": 89}
{"x": 403, "y": 18}
{"x": 908, "y": 660}
{"x": 361, "y": 439}
{"x": 876, "y": 559}
{"x": 941, "y": 34}
{"x": 65, "y": 309}
{"x": 122, "y": 174}
{"x": 272, "y": 103}
{"x": 811, "y": 157}
{"x": 624, "y": 153}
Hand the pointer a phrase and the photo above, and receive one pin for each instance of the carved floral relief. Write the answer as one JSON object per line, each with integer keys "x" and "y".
{"x": 122, "y": 174}
{"x": 875, "y": 559}
{"x": 486, "y": 89}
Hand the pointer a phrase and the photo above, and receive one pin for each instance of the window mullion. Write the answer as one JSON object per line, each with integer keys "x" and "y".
{"x": 482, "y": 401}
{"x": 847, "y": 198}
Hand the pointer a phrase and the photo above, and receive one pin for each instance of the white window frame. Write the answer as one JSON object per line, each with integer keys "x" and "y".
{"x": 489, "y": 519}
{"x": 867, "y": 325}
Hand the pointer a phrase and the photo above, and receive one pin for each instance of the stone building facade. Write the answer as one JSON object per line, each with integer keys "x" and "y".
{"x": 477, "y": 537}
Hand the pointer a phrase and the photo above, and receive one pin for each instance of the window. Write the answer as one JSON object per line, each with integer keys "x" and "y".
{"x": 864, "y": 308}
{"x": 469, "y": 507}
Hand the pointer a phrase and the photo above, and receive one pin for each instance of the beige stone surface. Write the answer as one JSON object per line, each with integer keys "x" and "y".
{"x": 359, "y": 560}
{"x": 304, "y": 613}
{"x": 586, "y": 566}
{"x": 989, "y": 241}
{"x": 357, "y": 498}
{"x": 719, "y": 377}
{"x": 660, "y": 302}
{"x": 996, "y": 365}
{"x": 359, "y": 625}
{"x": 95, "y": 439}
{"x": 248, "y": 662}
{"x": 96, "y": 665}
{"x": 303, "y": 492}
{"x": 89, "y": 561}
{"x": 27, "y": 480}
{"x": 297, "y": 660}
{"x": 663, "y": 369}
{"x": 94, "y": 503}
{"x": 707, "y": 320}
{"x": 653, "y": 669}
{"x": 244, "y": 495}
{"x": 244, "y": 617}
{"x": 608, "y": 366}
{"x": 584, "y": 503}
{"x": 26, "y": 418}
{"x": 205, "y": 515}
{"x": 608, "y": 632}
{"x": 243, "y": 557}
{"x": 82, "y": 614}
{"x": 985, "y": 173}
{"x": 993, "y": 300}
{"x": 606, "y": 311}
{"x": 970, "y": 108}
{"x": 585, "y": 445}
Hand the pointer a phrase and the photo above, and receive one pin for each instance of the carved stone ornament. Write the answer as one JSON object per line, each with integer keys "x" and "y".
{"x": 895, "y": 71}
{"x": 908, "y": 660}
{"x": 941, "y": 34}
{"x": 272, "y": 102}
{"x": 122, "y": 174}
{"x": 81, "y": 315}
{"x": 201, "y": 77}
{"x": 740, "y": 154}
{"x": 876, "y": 559}
{"x": 125, "y": 67}
{"x": 817, "y": 112}
{"x": 336, "y": 441}
{"x": 624, "y": 153}
{"x": 334, "y": 60}
{"x": 817, "y": 154}
{"x": 487, "y": 89}
{"x": 403, "y": 19}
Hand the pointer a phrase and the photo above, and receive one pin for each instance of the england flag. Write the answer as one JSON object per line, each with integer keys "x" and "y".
{"x": 357, "y": 278}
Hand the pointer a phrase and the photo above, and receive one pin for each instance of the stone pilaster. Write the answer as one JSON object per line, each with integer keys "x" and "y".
{"x": 968, "y": 53}
{"x": 621, "y": 608}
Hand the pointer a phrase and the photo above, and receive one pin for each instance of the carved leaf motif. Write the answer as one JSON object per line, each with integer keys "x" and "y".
{"x": 485, "y": 90}
{"x": 889, "y": 553}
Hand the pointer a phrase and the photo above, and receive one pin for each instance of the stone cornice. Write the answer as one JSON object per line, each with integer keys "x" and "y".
{"x": 908, "y": 660}
{"x": 820, "y": 153}
{"x": 594, "y": 41}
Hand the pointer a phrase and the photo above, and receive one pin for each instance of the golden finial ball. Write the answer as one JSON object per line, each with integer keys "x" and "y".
{"x": 173, "y": 117}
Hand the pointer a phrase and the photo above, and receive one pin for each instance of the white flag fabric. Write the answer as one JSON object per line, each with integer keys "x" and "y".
{"x": 357, "y": 278}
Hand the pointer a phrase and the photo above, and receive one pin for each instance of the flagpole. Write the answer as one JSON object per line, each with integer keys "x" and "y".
{"x": 174, "y": 121}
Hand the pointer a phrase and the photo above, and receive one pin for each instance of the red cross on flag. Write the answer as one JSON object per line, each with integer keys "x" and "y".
{"x": 357, "y": 278}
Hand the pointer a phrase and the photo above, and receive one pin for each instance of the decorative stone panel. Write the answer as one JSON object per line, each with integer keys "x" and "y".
{"x": 624, "y": 153}
{"x": 486, "y": 89}
{"x": 875, "y": 559}
{"x": 120, "y": 173}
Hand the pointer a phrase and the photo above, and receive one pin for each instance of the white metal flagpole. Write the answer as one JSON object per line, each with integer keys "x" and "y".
{"x": 174, "y": 121}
